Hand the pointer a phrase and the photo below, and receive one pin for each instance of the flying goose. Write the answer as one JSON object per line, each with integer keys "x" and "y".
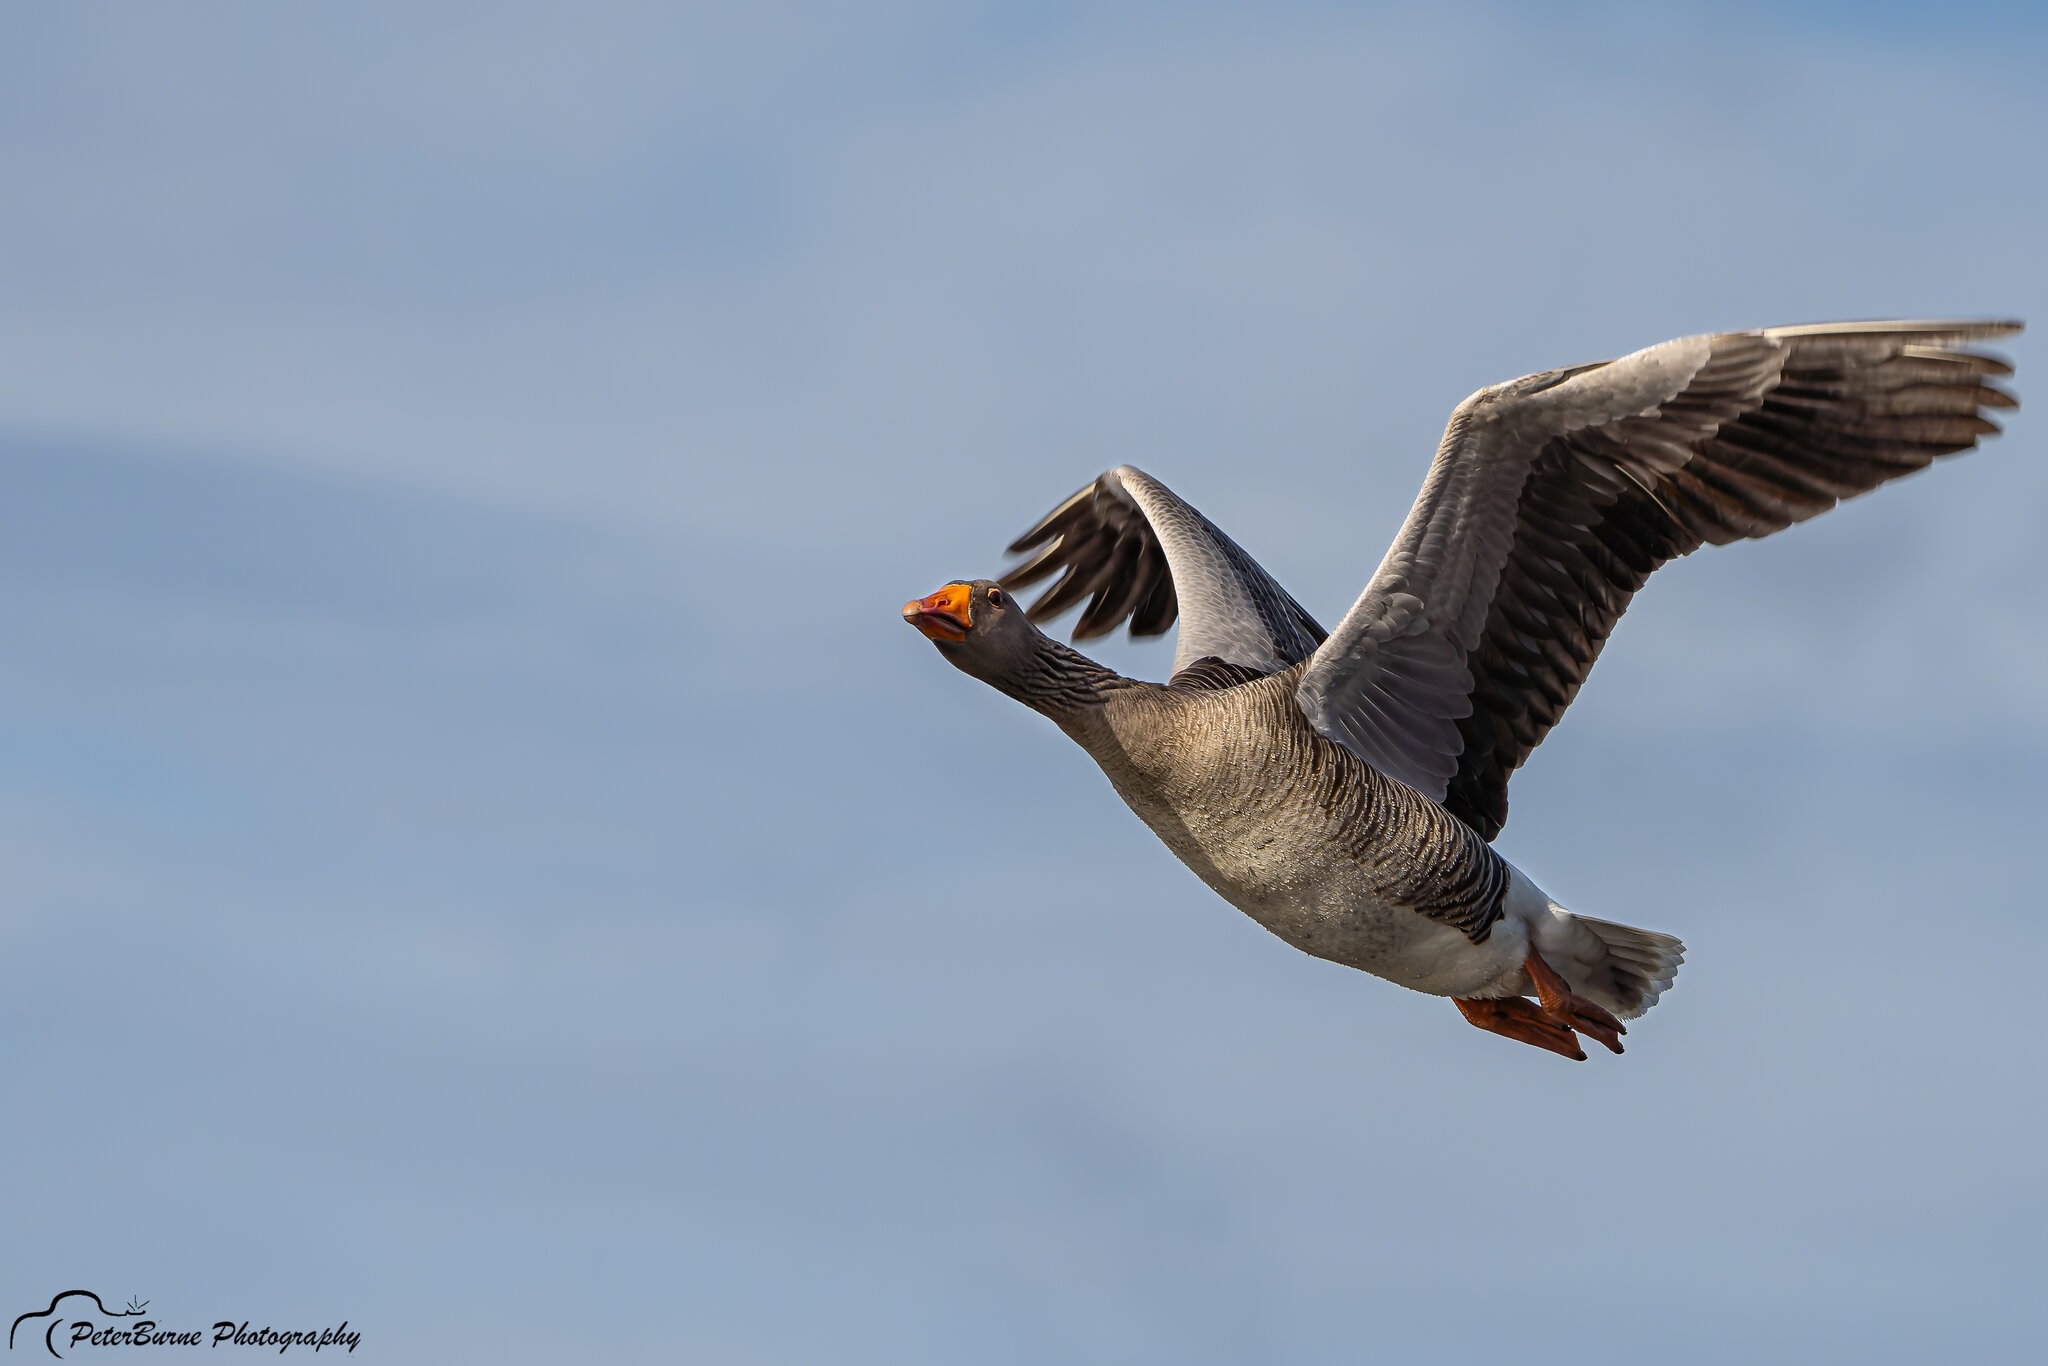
{"x": 1342, "y": 788}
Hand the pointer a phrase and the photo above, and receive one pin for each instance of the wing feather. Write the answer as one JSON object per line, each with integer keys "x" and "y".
{"x": 1136, "y": 552}
{"x": 1555, "y": 496}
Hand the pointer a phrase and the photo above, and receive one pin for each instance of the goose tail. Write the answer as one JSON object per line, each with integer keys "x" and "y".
{"x": 1618, "y": 966}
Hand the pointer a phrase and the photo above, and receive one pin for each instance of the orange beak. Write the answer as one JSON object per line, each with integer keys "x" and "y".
{"x": 943, "y": 615}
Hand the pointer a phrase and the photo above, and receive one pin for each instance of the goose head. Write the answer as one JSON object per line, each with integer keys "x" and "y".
{"x": 979, "y": 627}
{"x": 985, "y": 632}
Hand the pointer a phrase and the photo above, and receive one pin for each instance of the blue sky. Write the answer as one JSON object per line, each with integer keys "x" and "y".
{"x": 484, "y": 860}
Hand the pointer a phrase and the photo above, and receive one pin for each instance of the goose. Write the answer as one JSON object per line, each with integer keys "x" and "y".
{"x": 1343, "y": 788}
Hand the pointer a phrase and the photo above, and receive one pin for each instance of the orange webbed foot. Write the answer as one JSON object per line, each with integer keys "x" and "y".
{"x": 1518, "y": 1018}
{"x": 1568, "y": 1008}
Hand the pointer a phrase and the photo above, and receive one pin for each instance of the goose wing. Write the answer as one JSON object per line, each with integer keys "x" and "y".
{"x": 1138, "y": 553}
{"x": 1553, "y": 497}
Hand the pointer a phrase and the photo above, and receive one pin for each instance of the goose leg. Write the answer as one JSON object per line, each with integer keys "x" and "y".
{"x": 1521, "y": 1019}
{"x": 1568, "y": 1008}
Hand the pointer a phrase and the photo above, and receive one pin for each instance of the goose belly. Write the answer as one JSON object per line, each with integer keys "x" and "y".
{"x": 1292, "y": 872}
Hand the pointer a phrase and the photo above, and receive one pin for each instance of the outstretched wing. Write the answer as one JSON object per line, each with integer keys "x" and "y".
{"x": 1138, "y": 553}
{"x": 1553, "y": 497}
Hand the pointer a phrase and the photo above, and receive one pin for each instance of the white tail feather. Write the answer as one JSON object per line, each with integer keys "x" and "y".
{"x": 1618, "y": 966}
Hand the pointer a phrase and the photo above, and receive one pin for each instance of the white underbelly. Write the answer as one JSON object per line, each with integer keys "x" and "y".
{"x": 1324, "y": 902}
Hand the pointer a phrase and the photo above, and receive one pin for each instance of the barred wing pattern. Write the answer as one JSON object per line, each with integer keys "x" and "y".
{"x": 1555, "y": 496}
{"x": 1138, "y": 553}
